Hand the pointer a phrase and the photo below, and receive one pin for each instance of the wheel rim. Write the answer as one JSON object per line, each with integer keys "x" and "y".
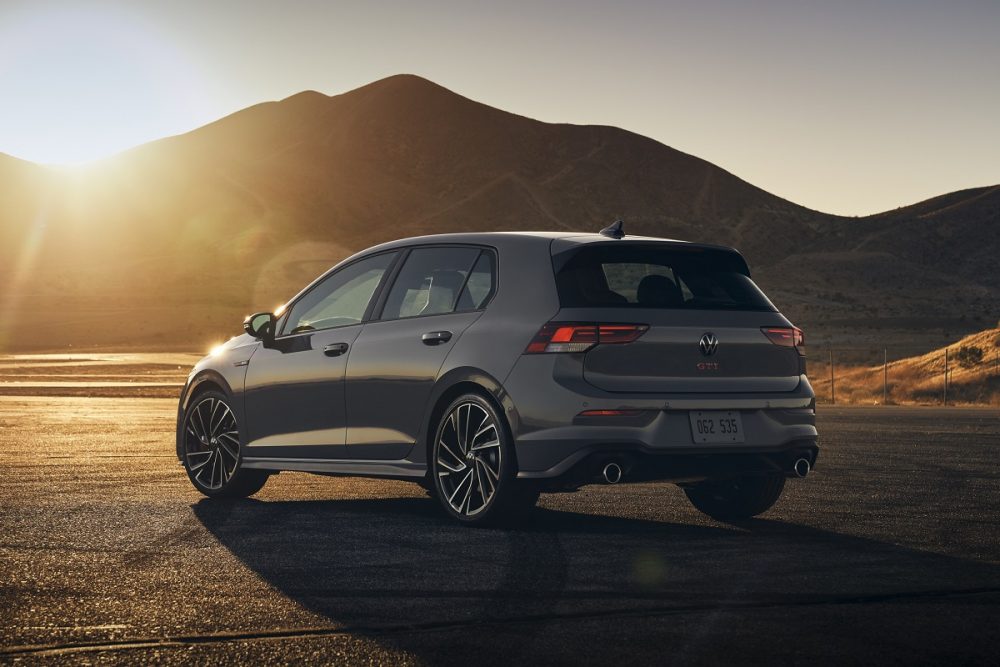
{"x": 468, "y": 456}
{"x": 211, "y": 443}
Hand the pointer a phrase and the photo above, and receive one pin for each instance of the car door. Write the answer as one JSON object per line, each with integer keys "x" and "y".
{"x": 294, "y": 392}
{"x": 437, "y": 293}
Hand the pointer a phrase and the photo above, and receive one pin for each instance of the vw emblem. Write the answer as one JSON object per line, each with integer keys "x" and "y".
{"x": 708, "y": 344}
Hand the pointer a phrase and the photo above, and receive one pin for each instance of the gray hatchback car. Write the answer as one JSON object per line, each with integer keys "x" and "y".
{"x": 492, "y": 367}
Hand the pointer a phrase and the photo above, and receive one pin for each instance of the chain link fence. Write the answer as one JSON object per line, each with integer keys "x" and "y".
{"x": 887, "y": 375}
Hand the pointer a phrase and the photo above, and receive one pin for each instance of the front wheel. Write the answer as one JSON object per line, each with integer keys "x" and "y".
{"x": 473, "y": 465}
{"x": 212, "y": 453}
{"x": 738, "y": 498}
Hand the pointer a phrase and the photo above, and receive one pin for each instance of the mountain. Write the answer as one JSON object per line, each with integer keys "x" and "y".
{"x": 169, "y": 244}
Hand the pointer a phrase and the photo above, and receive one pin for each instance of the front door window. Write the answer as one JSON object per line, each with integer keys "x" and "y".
{"x": 339, "y": 300}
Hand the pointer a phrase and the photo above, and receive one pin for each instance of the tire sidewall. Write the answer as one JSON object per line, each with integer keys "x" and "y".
{"x": 508, "y": 462}
{"x": 235, "y": 480}
{"x": 739, "y": 498}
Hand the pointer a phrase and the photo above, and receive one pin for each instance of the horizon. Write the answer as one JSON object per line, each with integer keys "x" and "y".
{"x": 840, "y": 109}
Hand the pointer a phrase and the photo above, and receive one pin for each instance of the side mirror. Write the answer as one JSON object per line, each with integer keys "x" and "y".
{"x": 261, "y": 326}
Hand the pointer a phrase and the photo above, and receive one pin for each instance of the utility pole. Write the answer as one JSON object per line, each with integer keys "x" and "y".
{"x": 833, "y": 392}
{"x": 885, "y": 376}
{"x": 946, "y": 376}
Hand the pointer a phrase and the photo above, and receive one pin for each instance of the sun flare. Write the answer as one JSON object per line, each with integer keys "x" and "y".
{"x": 80, "y": 85}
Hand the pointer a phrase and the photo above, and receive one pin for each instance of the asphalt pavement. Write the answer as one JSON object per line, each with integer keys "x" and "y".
{"x": 888, "y": 552}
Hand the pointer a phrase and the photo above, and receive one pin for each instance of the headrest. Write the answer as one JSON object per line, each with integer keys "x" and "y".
{"x": 658, "y": 291}
{"x": 447, "y": 279}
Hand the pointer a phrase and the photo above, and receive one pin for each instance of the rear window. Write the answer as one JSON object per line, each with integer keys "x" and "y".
{"x": 657, "y": 276}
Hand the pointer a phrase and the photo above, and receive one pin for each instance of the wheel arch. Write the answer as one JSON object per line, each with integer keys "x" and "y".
{"x": 452, "y": 385}
{"x": 206, "y": 380}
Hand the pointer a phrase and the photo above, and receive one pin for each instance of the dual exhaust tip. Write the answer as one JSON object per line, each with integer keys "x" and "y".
{"x": 612, "y": 472}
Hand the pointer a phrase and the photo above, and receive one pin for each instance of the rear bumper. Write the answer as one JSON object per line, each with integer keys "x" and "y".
{"x": 770, "y": 435}
{"x": 639, "y": 464}
{"x": 551, "y": 438}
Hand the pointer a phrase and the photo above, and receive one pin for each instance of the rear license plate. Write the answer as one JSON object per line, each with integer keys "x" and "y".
{"x": 716, "y": 426}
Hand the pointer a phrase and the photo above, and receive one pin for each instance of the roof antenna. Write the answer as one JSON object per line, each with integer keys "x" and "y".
{"x": 615, "y": 230}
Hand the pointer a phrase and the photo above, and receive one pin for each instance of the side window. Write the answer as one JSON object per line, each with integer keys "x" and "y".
{"x": 479, "y": 286}
{"x": 339, "y": 300}
{"x": 430, "y": 282}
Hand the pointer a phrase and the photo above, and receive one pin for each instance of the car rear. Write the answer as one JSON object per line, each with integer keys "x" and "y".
{"x": 665, "y": 359}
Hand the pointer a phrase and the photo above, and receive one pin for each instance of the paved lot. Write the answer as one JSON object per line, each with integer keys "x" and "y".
{"x": 889, "y": 552}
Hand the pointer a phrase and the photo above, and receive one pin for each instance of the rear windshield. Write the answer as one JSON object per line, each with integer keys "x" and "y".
{"x": 657, "y": 276}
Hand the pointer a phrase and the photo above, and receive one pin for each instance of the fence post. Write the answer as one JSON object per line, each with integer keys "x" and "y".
{"x": 946, "y": 376}
{"x": 885, "y": 376}
{"x": 833, "y": 392}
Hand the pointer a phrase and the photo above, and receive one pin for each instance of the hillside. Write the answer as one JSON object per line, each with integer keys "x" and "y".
{"x": 920, "y": 379}
{"x": 172, "y": 242}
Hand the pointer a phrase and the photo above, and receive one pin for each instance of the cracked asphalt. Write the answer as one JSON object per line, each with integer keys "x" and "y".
{"x": 889, "y": 552}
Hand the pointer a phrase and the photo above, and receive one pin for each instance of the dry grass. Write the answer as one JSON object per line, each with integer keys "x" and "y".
{"x": 920, "y": 379}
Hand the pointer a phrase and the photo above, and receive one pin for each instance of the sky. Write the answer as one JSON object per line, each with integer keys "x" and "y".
{"x": 846, "y": 107}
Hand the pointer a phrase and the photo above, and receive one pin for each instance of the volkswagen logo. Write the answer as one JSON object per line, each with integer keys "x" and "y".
{"x": 708, "y": 344}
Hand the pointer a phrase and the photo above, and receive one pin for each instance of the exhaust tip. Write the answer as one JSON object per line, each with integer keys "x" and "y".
{"x": 612, "y": 473}
{"x": 801, "y": 467}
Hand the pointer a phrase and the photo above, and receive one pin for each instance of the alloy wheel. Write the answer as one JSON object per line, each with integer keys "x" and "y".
{"x": 211, "y": 443}
{"x": 469, "y": 455}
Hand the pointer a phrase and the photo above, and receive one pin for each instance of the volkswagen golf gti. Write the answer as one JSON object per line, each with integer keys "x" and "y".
{"x": 491, "y": 367}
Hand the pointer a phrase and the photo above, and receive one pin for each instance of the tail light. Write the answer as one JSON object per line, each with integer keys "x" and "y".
{"x": 786, "y": 337}
{"x": 565, "y": 337}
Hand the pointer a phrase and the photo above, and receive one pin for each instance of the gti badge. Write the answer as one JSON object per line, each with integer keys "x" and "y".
{"x": 708, "y": 344}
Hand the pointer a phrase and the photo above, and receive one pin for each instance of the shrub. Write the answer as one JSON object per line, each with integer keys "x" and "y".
{"x": 969, "y": 356}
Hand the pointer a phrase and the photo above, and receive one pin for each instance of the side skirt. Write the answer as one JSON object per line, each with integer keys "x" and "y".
{"x": 347, "y": 468}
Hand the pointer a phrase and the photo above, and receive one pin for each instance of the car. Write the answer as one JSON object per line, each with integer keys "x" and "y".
{"x": 492, "y": 367}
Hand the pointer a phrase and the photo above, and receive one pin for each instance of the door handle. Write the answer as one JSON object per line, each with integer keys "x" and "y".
{"x": 335, "y": 349}
{"x": 436, "y": 337}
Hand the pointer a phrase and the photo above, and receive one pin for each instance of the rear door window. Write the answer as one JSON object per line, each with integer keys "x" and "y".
{"x": 479, "y": 286}
{"x": 657, "y": 276}
{"x": 435, "y": 281}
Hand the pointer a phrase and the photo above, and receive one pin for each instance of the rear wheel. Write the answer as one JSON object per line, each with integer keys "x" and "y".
{"x": 473, "y": 465}
{"x": 738, "y": 498}
{"x": 212, "y": 453}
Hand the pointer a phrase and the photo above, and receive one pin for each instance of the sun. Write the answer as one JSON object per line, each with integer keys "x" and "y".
{"x": 80, "y": 84}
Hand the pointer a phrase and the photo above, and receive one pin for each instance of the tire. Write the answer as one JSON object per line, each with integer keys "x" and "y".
{"x": 474, "y": 468}
{"x": 739, "y": 498}
{"x": 213, "y": 456}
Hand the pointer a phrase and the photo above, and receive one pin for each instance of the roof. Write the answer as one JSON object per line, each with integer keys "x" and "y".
{"x": 560, "y": 242}
{"x": 512, "y": 238}
{"x": 491, "y": 238}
